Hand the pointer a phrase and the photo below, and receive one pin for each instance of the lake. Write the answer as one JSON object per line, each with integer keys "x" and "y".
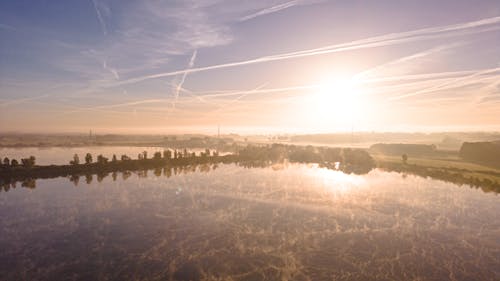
{"x": 226, "y": 222}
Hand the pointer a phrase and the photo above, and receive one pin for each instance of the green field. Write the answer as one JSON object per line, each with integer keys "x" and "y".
{"x": 450, "y": 168}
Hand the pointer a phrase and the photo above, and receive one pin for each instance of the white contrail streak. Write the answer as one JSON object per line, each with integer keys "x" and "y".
{"x": 377, "y": 41}
{"x": 451, "y": 79}
{"x": 453, "y": 83}
{"x": 178, "y": 88}
{"x": 270, "y": 10}
{"x": 99, "y": 17}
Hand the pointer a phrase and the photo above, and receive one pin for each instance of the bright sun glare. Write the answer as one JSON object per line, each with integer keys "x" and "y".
{"x": 339, "y": 100}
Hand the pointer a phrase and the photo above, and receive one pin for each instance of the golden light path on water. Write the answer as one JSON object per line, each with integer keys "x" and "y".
{"x": 335, "y": 181}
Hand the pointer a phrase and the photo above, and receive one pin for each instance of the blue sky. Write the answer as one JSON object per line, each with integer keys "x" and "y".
{"x": 250, "y": 66}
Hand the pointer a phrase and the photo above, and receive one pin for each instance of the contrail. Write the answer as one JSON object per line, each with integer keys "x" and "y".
{"x": 271, "y": 10}
{"x": 99, "y": 17}
{"x": 452, "y": 78}
{"x": 110, "y": 69}
{"x": 446, "y": 85}
{"x": 377, "y": 41}
{"x": 184, "y": 75}
{"x": 178, "y": 88}
{"x": 411, "y": 57}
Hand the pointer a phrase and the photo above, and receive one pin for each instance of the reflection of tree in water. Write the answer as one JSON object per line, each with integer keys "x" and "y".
{"x": 74, "y": 179}
{"x": 101, "y": 176}
{"x": 88, "y": 178}
{"x": 157, "y": 172}
{"x": 167, "y": 172}
{"x": 29, "y": 183}
{"x": 126, "y": 175}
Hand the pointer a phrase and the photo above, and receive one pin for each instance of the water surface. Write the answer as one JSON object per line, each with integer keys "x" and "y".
{"x": 226, "y": 222}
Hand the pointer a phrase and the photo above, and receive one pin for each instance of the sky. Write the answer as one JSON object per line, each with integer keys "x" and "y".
{"x": 249, "y": 66}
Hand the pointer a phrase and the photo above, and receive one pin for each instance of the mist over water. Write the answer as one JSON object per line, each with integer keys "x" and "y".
{"x": 285, "y": 222}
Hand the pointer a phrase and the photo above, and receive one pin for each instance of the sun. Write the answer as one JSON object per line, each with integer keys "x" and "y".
{"x": 339, "y": 98}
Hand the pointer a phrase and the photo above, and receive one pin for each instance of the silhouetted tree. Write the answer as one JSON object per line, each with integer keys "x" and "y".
{"x": 32, "y": 160}
{"x": 14, "y": 163}
{"x": 185, "y": 154}
{"x": 88, "y": 158}
{"x": 157, "y": 155}
{"x": 76, "y": 160}
{"x": 140, "y": 156}
{"x": 6, "y": 161}
{"x": 167, "y": 154}
{"x": 101, "y": 159}
{"x": 114, "y": 158}
{"x": 145, "y": 154}
{"x": 125, "y": 157}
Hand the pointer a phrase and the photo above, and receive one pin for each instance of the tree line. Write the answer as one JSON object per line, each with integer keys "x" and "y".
{"x": 25, "y": 162}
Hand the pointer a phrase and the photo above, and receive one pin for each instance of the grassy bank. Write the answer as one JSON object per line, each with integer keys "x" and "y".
{"x": 449, "y": 168}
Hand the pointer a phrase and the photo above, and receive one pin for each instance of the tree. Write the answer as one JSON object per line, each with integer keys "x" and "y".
{"x": 145, "y": 154}
{"x": 101, "y": 159}
{"x": 125, "y": 157}
{"x": 25, "y": 162}
{"x": 167, "y": 154}
{"x": 157, "y": 155}
{"x": 14, "y": 163}
{"x": 405, "y": 158}
{"x": 88, "y": 158}
{"x": 76, "y": 160}
{"x": 28, "y": 162}
{"x": 140, "y": 156}
{"x": 6, "y": 161}
{"x": 114, "y": 158}
{"x": 32, "y": 160}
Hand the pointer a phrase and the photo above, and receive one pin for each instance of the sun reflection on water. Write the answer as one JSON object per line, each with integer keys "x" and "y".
{"x": 335, "y": 181}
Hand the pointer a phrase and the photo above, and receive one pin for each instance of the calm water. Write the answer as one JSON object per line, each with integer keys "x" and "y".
{"x": 231, "y": 223}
